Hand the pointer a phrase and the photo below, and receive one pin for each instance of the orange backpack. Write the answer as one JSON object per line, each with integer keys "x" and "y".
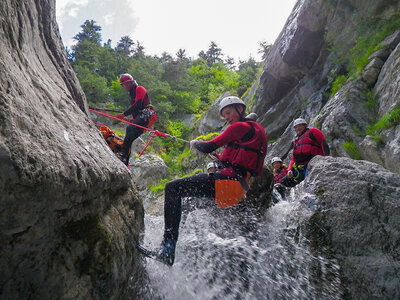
{"x": 113, "y": 141}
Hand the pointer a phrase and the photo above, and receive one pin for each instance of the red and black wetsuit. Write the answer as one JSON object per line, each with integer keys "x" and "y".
{"x": 141, "y": 111}
{"x": 245, "y": 149}
{"x": 279, "y": 174}
{"x": 309, "y": 144}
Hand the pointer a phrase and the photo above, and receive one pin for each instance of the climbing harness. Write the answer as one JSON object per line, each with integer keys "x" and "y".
{"x": 153, "y": 133}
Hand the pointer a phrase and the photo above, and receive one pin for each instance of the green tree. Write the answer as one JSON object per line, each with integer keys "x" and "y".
{"x": 263, "y": 48}
{"x": 90, "y": 32}
{"x": 125, "y": 46}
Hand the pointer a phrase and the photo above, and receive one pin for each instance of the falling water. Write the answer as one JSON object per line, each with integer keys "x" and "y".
{"x": 239, "y": 254}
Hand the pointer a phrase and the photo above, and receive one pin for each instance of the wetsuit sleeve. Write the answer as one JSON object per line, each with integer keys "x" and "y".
{"x": 139, "y": 102}
{"x": 320, "y": 138}
{"x": 233, "y": 133}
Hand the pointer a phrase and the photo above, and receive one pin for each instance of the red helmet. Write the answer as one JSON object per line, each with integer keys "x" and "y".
{"x": 124, "y": 78}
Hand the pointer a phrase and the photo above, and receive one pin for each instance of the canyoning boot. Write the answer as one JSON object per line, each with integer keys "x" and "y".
{"x": 123, "y": 157}
{"x": 167, "y": 253}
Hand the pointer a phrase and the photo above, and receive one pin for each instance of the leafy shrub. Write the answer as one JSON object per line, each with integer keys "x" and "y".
{"x": 337, "y": 84}
{"x": 352, "y": 150}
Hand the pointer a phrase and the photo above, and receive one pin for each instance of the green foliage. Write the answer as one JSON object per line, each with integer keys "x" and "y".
{"x": 371, "y": 102}
{"x": 94, "y": 85}
{"x": 208, "y": 137}
{"x": 388, "y": 120}
{"x": 337, "y": 84}
{"x": 159, "y": 187}
{"x": 369, "y": 43}
{"x": 192, "y": 173}
{"x": 352, "y": 150}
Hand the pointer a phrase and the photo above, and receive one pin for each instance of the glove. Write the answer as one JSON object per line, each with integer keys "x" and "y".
{"x": 120, "y": 116}
{"x": 192, "y": 144}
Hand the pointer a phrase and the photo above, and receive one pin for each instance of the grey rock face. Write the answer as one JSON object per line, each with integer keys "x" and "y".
{"x": 357, "y": 220}
{"x": 148, "y": 169}
{"x": 387, "y": 88}
{"x": 212, "y": 121}
{"x": 69, "y": 214}
{"x": 372, "y": 70}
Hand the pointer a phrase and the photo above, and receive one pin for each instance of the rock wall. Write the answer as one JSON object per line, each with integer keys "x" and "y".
{"x": 310, "y": 53}
{"x": 69, "y": 212}
{"x": 350, "y": 210}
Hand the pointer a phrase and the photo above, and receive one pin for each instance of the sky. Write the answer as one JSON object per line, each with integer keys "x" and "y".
{"x": 235, "y": 26}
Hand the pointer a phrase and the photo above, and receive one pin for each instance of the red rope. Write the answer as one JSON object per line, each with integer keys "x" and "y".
{"x": 152, "y": 132}
{"x": 155, "y": 132}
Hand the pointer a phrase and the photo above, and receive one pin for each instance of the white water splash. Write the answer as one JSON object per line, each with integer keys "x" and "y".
{"x": 234, "y": 254}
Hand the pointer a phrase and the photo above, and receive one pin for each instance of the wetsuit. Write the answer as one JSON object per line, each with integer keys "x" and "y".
{"x": 245, "y": 149}
{"x": 141, "y": 112}
{"x": 309, "y": 143}
{"x": 279, "y": 174}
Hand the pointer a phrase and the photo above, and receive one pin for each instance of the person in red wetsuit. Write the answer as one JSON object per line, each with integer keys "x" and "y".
{"x": 308, "y": 143}
{"x": 141, "y": 111}
{"x": 245, "y": 145}
{"x": 279, "y": 172}
{"x": 280, "y": 169}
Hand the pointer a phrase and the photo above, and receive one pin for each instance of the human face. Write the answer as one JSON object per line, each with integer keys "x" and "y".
{"x": 230, "y": 114}
{"x": 127, "y": 85}
{"x": 277, "y": 165}
{"x": 299, "y": 128}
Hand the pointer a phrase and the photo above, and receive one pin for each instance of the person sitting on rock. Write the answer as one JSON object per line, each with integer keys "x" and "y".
{"x": 245, "y": 144}
{"x": 308, "y": 143}
{"x": 279, "y": 172}
{"x": 141, "y": 111}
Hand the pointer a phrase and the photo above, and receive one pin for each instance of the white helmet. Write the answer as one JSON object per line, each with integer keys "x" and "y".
{"x": 275, "y": 159}
{"x": 299, "y": 121}
{"x": 229, "y": 101}
{"x": 210, "y": 165}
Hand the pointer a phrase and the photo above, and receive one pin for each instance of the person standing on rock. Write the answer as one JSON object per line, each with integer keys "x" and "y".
{"x": 308, "y": 143}
{"x": 245, "y": 144}
{"x": 141, "y": 110}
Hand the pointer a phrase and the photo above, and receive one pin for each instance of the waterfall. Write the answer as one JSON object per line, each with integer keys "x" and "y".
{"x": 239, "y": 253}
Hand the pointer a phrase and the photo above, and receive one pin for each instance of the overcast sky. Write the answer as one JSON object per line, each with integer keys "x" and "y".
{"x": 167, "y": 25}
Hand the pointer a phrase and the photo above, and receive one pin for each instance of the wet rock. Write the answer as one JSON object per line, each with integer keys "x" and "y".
{"x": 356, "y": 220}
{"x": 69, "y": 212}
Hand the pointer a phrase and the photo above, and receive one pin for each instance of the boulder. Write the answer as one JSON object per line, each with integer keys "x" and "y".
{"x": 212, "y": 121}
{"x": 351, "y": 212}
{"x": 372, "y": 70}
{"x": 147, "y": 170}
{"x": 69, "y": 212}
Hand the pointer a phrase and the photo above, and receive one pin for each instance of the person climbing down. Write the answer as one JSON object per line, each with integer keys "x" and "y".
{"x": 141, "y": 110}
{"x": 245, "y": 144}
{"x": 279, "y": 172}
{"x": 309, "y": 142}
